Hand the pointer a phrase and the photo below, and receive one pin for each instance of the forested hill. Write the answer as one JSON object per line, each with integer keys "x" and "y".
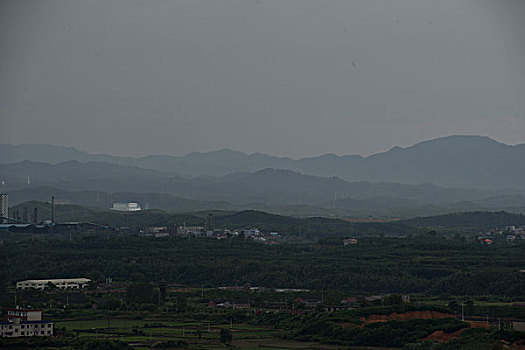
{"x": 480, "y": 219}
{"x": 312, "y": 228}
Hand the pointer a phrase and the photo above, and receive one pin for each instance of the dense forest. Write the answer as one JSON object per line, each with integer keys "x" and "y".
{"x": 420, "y": 264}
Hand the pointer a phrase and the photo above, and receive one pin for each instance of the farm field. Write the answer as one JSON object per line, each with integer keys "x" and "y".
{"x": 144, "y": 334}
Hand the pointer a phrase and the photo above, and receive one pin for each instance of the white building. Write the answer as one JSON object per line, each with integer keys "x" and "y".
{"x": 64, "y": 283}
{"x": 130, "y": 206}
{"x": 25, "y": 323}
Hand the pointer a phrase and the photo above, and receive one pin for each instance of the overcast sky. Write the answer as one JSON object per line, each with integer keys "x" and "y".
{"x": 283, "y": 77}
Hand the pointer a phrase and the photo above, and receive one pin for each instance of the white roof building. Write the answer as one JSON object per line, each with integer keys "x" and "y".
{"x": 130, "y": 206}
{"x": 63, "y": 283}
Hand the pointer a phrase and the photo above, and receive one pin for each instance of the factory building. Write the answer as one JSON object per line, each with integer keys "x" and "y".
{"x": 65, "y": 283}
{"x": 130, "y": 206}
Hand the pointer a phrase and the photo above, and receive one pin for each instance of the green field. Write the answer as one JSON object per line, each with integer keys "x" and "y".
{"x": 197, "y": 335}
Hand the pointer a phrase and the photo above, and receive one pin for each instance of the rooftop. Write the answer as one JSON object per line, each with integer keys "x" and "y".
{"x": 57, "y": 280}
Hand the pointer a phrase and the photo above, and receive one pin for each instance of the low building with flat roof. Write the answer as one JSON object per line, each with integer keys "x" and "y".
{"x": 25, "y": 323}
{"x": 60, "y": 283}
{"x": 129, "y": 206}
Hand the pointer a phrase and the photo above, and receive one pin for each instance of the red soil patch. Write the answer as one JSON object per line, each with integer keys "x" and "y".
{"x": 442, "y": 337}
{"x": 349, "y": 325}
{"x": 519, "y": 345}
{"x": 412, "y": 315}
{"x": 478, "y": 324}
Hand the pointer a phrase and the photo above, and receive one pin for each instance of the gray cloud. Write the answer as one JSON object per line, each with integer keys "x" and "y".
{"x": 281, "y": 77}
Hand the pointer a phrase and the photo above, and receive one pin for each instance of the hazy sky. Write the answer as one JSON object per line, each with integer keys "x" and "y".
{"x": 281, "y": 77}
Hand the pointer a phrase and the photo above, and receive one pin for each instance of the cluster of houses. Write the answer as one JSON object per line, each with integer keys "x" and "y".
{"x": 306, "y": 303}
{"x": 247, "y": 288}
{"x": 514, "y": 232}
{"x": 201, "y": 231}
{"x": 510, "y": 234}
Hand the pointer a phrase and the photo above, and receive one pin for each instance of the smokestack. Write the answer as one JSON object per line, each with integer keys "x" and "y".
{"x": 52, "y": 209}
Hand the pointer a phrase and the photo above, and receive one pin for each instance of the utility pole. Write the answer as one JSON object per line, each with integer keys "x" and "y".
{"x": 462, "y": 312}
{"x": 108, "y": 314}
{"x": 52, "y": 210}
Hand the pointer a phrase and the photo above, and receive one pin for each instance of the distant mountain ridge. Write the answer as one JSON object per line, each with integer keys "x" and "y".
{"x": 453, "y": 161}
{"x": 272, "y": 190}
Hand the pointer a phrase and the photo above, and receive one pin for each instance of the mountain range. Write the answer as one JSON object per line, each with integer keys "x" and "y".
{"x": 454, "y": 161}
{"x": 292, "y": 187}
{"x": 273, "y": 190}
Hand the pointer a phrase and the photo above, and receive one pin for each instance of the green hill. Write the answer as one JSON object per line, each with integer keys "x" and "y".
{"x": 306, "y": 228}
{"x": 481, "y": 219}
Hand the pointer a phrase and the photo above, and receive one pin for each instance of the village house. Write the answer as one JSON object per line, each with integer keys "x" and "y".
{"x": 349, "y": 241}
{"x": 309, "y": 301}
{"x": 25, "y": 323}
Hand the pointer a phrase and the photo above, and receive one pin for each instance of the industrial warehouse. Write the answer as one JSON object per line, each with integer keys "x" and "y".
{"x": 65, "y": 283}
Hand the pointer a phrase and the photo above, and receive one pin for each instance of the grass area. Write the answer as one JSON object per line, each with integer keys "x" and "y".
{"x": 140, "y": 336}
{"x": 99, "y": 323}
